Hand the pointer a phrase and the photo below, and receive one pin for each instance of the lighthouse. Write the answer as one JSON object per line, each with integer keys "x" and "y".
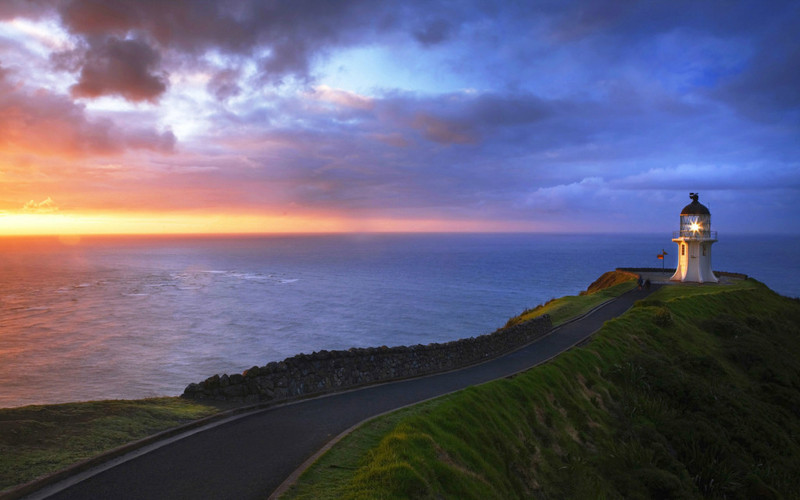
{"x": 694, "y": 240}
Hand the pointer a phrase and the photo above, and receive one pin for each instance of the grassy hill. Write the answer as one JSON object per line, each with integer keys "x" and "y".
{"x": 693, "y": 393}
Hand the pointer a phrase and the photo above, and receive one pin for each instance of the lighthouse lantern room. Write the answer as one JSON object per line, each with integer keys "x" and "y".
{"x": 694, "y": 240}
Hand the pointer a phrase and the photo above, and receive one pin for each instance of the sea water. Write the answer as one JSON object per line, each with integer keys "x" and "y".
{"x": 132, "y": 317}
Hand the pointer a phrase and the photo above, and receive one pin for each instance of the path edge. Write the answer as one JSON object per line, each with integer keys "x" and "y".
{"x": 295, "y": 475}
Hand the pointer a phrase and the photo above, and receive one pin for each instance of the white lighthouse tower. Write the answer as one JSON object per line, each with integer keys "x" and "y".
{"x": 694, "y": 244}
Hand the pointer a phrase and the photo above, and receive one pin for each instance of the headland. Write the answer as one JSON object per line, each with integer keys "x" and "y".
{"x": 705, "y": 368}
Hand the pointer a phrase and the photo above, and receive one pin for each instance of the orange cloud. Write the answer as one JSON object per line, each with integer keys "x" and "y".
{"x": 45, "y": 206}
{"x": 342, "y": 98}
{"x": 443, "y": 131}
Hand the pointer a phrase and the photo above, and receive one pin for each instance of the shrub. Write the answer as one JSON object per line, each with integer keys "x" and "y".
{"x": 724, "y": 326}
{"x": 663, "y": 317}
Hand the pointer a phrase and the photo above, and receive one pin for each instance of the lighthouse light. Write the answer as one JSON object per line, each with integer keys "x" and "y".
{"x": 695, "y": 227}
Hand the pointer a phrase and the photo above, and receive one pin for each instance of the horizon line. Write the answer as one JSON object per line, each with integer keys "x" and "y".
{"x": 68, "y": 236}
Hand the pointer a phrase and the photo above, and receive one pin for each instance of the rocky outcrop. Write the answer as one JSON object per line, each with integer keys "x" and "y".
{"x": 328, "y": 371}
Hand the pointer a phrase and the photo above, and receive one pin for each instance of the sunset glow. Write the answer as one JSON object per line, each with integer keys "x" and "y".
{"x": 157, "y": 223}
{"x": 198, "y": 117}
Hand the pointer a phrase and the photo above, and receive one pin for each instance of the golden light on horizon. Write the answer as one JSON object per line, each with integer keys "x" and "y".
{"x": 157, "y": 223}
{"x": 143, "y": 223}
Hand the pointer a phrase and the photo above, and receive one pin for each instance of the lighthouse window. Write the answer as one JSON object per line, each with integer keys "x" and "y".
{"x": 704, "y": 250}
{"x": 683, "y": 249}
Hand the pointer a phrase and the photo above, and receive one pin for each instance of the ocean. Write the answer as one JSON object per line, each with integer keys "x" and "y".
{"x": 134, "y": 317}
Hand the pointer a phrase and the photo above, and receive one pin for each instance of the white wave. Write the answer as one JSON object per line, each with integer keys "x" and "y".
{"x": 254, "y": 277}
{"x": 260, "y": 277}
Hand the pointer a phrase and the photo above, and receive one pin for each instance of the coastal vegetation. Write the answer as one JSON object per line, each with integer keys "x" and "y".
{"x": 606, "y": 287}
{"x": 40, "y": 439}
{"x": 694, "y": 392}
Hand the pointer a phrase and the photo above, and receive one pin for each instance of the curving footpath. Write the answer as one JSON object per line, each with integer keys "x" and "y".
{"x": 251, "y": 455}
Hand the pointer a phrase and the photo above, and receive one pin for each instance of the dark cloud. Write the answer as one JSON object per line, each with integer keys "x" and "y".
{"x": 224, "y": 84}
{"x": 41, "y": 123}
{"x": 584, "y": 18}
{"x": 183, "y": 24}
{"x": 286, "y": 58}
{"x": 147, "y": 138}
{"x": 512, "y": 120}
{"x": 443, "y": 131}
{"x": 9, "y": 9}
{"x": 434, "y": 32}
{"x": 457, "y": 119}
{"x": 99, "y": 17}
{"x": 630, "y": 20}
{"x": 286, "y": 35}
{"x": 126, "y": 68}
{"x": 519, "y": 109}
{"x": 767, "y": 88}
{"x": 740, "y": 52}
{"x": 130, "y": 38}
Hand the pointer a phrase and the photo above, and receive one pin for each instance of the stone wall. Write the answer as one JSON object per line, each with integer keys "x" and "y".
{"x": 328, "y": 371}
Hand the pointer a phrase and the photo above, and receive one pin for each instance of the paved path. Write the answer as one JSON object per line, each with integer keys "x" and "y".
{"x": 249, "y": 457}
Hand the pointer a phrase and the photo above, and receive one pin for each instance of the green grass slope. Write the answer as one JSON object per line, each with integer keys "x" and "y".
{"x": 41, "y": 439}
{"x": 693, "y": 393}
{"x": 609, "y": 285}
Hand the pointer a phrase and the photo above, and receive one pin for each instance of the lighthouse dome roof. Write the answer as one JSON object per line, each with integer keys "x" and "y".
{"x": 695, "y": 207}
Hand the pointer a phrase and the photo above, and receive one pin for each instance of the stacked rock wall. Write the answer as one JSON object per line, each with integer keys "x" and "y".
{"x": 327, "y": 371}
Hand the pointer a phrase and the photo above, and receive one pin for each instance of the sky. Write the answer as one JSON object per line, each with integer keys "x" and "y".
{"x": 238, "y": 116}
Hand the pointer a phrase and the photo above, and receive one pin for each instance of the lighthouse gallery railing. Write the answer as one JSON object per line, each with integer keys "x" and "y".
{"x": 696, "y": 235}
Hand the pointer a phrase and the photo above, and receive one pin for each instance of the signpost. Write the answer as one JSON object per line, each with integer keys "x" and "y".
{"x": 661, "y": 257}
